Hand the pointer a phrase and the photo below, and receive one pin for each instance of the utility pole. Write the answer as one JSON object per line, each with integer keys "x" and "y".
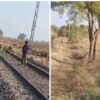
{"x": 69, "y": 28}
{"x": 69, "y": 31}
{"x": 34, "y": 20}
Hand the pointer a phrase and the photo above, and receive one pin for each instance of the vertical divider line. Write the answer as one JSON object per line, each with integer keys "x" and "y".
{"x": 49, "y": 50}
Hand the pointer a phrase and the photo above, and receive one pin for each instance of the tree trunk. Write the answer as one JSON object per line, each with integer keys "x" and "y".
{"x": 95, "y": 42}
{"x": 99, "y": 22}
{"x": 91, "y": 36}
{"x": 96, "y": 36}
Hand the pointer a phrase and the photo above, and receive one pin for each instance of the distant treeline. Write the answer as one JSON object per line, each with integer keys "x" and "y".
{"x": 69, "y": 31}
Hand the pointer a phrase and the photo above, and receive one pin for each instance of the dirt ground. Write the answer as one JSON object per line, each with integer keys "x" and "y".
{"x": 73, "y": 78}
{"x": 16, "y": 45}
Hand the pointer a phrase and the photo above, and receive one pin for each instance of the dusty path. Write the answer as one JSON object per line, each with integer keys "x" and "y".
{"x": 71, "y": 73}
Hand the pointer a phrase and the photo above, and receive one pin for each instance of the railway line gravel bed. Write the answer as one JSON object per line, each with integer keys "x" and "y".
{"x": 5, "y": 91}
{"x": 11, "y": 88}
{"x": 39, "y": 81}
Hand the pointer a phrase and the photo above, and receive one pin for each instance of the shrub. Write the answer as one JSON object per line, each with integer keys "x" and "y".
{"x": 0, "y": 46}
{"x": 10, "y": 48}
{"x": 91, "y": 94}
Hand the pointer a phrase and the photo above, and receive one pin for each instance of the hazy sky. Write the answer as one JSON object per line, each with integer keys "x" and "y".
{"x": 16, "y": 17}
{"x": 59, "y": 20}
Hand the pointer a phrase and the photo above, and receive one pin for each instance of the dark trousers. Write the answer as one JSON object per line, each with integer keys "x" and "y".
{"x": 24, "y": 59}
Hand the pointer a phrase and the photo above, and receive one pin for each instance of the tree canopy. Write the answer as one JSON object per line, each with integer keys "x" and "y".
{"x": 1, "y": 33}
{"x": 83, "y": 9}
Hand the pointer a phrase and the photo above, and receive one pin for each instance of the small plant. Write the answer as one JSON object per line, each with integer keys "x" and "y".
{"x": 0, "y": 46}
{"x": 77, "y": 70}
{"x": 98, "y": 78}
{"x": 91, "y": 94}
{"x": 10, "y": 48}
{"x": 5, "y": 48}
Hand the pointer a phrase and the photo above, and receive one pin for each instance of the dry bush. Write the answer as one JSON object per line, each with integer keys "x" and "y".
{"x": 0, "y": 46}
{"x": 10, "y": 48}
{"x": 14, "y": 44}
{"x": 91, "y": 94}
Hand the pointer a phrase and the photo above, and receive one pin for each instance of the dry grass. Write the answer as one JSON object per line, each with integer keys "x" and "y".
{"x": 73, "y": 78}
{"x": 36, "y": 48}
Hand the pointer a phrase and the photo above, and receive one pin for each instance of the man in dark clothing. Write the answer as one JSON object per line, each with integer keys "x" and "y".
{"x": 25, "y": 50}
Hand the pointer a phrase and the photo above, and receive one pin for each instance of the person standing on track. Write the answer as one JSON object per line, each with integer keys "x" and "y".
{"x": 25, "y": 50}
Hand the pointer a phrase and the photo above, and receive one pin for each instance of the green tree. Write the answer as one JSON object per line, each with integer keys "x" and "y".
{"x": 63, "y": 31}
{"x": 89, "y": 11}
{"x": 1, "y": 33}
{"x": 54, "y": 28}
{"x": 54, "y": 31}
{"x": 92, "y": 14}
{"x": 74, "y": 30}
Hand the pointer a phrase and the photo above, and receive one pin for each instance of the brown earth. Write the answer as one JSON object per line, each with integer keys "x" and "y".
{"x": 36, "y": 48}
{"x": 73, "y": 78}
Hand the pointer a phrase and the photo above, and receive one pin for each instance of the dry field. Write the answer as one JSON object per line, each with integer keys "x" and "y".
{"x": 36, "y": 52}
{"x": 73, "y": 78}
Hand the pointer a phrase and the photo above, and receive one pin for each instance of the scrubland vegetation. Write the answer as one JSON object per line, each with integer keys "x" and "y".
{"x": 38, "y": 50}
{"x": 75, "y": 64}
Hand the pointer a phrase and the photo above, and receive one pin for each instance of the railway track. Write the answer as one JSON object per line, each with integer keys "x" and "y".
{"x": 37, "y": 79}
{"x": 33, "y": 65}
{"x": 12, "y": 87}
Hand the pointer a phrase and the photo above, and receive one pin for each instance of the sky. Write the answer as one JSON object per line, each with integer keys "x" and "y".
{"x": 62, "y": 20}
{"x": 16, "y": 17}
{"x": 57, "y": 19}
